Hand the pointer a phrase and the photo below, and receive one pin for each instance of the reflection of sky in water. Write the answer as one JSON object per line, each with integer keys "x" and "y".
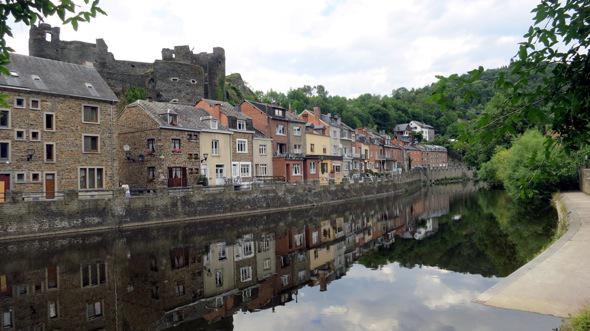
{"x": 395, "y": 298}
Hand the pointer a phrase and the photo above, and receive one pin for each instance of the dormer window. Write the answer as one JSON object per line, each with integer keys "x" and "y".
{"x": 214, "y": 124}
{"x": 174, "y": 79}
{"x": 193, "y": 81}
{"x": 35, "y": 77}
{"x": 241, "y": 125}
{"x": 174, "y": 101}
{"x": 91, "y": 89}
{"x": 14, "y": 74}
{"x": 173, "y": 119}
{"x": 279, "y": 112}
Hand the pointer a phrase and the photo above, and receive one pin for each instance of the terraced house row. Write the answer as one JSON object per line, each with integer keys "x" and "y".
{"x": 61, "y": 131}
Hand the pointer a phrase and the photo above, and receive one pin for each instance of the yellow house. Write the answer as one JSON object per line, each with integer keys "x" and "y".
{"x": 215, "y": 146}
{"x": 317, "y": 150}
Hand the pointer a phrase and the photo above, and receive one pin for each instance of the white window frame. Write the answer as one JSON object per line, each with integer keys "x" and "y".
{"x": 10, "y": 313}
{"x": 281, "y": 131}
{"x": 24, "y": 103}
{"x": 298, "y": 167}
{"x": 241, "y": 125}
{"x": 97, "y": 114}
{"x": 266, "y": 264}
{"x": 9, "y": 126}
{"x": 36, "y": 173}
{"x": 215, "y": 147}
{"x": 249, "y": 166}
{"x": 84, "y": 151}
{"x": 261, "y": 166}
{"x": 95, "y": 179}
{"x": 214, "y": 124}
{"x": 262, "y": 149}
{"x": 219, "y": 278}
{"x": 245, "y": 274}
{"x": 24, "y": 176}
{"x": 55, "y": 309}
{"x": 297, "y": 131}
{"x": 45, "y": 121}
{"x": 285, "y": 280}
{"x": 45, "y": 152}
{"x": 31, "y": 104}
{"x": 95, "y": 304}
{"x": 313, "y": 168}
{"x": 297, "y": 148}
{"x": 31, "y": 135}
{"x": 106, "y": 275}
{"x": 245, "y": 145}
{"x": 16, "y": 131}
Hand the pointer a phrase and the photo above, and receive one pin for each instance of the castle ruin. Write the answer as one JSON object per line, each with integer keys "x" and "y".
{"x": 180, "y": 76}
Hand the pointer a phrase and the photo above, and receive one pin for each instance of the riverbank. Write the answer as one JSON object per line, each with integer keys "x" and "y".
{"x": 26, "y": 220}
{"x": 556, "y": 282}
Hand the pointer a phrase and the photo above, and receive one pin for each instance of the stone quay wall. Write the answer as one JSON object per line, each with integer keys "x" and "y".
{"x": 585, "y": 180}
{"x": 22, "y": 220}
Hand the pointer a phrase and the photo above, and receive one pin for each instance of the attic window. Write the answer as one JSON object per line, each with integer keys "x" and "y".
{"x": 35, "y": 77}
{"x": 174, "y": 101}
{"x": 193, "y": 81}
{"x": 172, "y": 119}
{"x": 214, "y": 124}
{"x": 14, "y": 74}
{"x": 91, "y": 89}
{"x": 174, "y": 79}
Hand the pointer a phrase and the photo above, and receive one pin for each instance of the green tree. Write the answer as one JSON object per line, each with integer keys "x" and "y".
{"x": 30, "y": 12}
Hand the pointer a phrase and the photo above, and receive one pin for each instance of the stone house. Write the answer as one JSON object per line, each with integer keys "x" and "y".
{"x": 245, "y": 262}
{"x": 56, "y": 131}
{"x": 242, "y": 142}
{"x": 171, "y": 145}
{"x": 274, "y": 123}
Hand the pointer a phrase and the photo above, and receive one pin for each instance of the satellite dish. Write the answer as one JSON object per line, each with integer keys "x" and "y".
{"x": 126, "y": 148}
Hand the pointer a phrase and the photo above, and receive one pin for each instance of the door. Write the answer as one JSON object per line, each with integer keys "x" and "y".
{"x": 235, "y": 169}
{"x": 49, "y": 186}
{"x": 175, "y": 176}
{"x": 288, "y": 174}
{"x": 4, "y": 186}
{"x": 219, "y": 175}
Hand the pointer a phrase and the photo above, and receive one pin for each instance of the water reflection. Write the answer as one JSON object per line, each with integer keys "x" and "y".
{"x": 276, "y": 269}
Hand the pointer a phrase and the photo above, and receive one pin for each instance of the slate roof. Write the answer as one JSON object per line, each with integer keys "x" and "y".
{"x": 330, "y": 119}
{"x": 189, "y": 117}
{"x": 431, "y": 148}
{"x": 424, "y": 125}
{"x": 269, "y": 109}
{"x": 228, "y": 109}
{"x": 292, "y": 117}
{"x": 402, "y": 127}
{"x": 56, "y": 77}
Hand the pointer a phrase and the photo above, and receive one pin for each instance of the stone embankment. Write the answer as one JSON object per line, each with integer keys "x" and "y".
{"x": 20, "y": 220}
{"x": 557, "y": 282}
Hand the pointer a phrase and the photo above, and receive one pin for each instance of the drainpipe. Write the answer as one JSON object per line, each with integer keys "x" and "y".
{"x": 113, "y": 150}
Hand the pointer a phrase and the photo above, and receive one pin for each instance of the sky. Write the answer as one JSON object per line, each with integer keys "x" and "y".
{"x": 349, "y": 46}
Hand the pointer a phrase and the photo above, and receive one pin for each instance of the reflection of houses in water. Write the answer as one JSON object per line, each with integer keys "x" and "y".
{"x": 163, "y": 278}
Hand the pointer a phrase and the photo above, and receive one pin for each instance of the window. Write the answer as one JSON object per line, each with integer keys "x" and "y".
{"x": 262, "y": 149}
{"x": 93, "y": 274}
{"x": 248, "y": 248}
{"x": 285, "y": 280}
{"x": 245, "y": 274}
{"x": 172, "y": 119}
{"x": 312, "y": 168}
{"x": 221, "y": 251}
{"x": 151, "y": 173}
{"x": 35, "y": 177}
{"x": 4, "y": 119}
{"x": 91, "y": 178}
{"x": 301, "y": 275}
{"x": 296, "y": 130}
{"x": 94, "y": 310}
{"x": 246, "y": 294}
{"x": 49, "y": 152}
{"x": 90, "y": 114}
{"x": 21, "y": 177}
{"x": 35, "y": 135}
{"x": 52, "y": 277}
{"x": 296, "y": 170}
{"x": 241, "y": 125}
{"x": 174, "y": 79}
{"x": 278, "y": 112}
{"x": 214, "y": 124}
{"x": 19, "y": 102}
{"x": 180, "y": 291}
{"x": 281, "y": 130}
{"x": 297, "y": 149}
{"x": 176, "y": 146}
{"x": 215, "y": 147}
{"x": 35, "y": 104}
{"x": 20, "y": 135}
{"x": 52, "y": 309}
{"x": 7, "y": 319}
{"x": 298, "y": 239}
{"x": 49, "y": 121}
{"x": 151, "y": 145}
{"x": 242, "y": 145}
{"x": 218, "y": 278}
{"x": 4, "y": 151}
{"x": 266, "y": 264}
{"x": 324, "y": 168}
{"x": 337, "y": 168}
{"x": 312, "y": 148}
{"x": 324, "y": 150}
{"x": 261, "y": 170}
{"x": 91, "y": 144}
{"x": 315, "y": 237}
{"x": 245, "y": 169}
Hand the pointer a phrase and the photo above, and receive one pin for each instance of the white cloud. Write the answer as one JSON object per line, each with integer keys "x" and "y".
{"x": 350, "y": 46}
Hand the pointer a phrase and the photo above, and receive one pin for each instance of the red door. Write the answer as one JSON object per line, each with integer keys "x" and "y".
{"x": 177, "y": 177}
{"x": 49, "y": 186}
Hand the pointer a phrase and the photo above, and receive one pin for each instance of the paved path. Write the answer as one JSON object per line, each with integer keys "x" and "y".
{"x": 557, "y": 282}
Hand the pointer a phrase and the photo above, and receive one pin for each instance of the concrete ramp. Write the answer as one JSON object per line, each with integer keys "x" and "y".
{"x": 557, "y": 282}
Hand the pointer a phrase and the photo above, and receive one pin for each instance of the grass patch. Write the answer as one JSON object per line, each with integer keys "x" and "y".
{"x": 579, "y": 322}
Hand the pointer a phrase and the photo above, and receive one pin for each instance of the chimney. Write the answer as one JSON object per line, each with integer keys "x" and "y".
{"x": 316, "y": 111}
{"x": 218, "y": 107}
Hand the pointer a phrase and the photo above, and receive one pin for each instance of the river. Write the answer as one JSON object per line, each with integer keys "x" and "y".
{"x": 412, "y": 263}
